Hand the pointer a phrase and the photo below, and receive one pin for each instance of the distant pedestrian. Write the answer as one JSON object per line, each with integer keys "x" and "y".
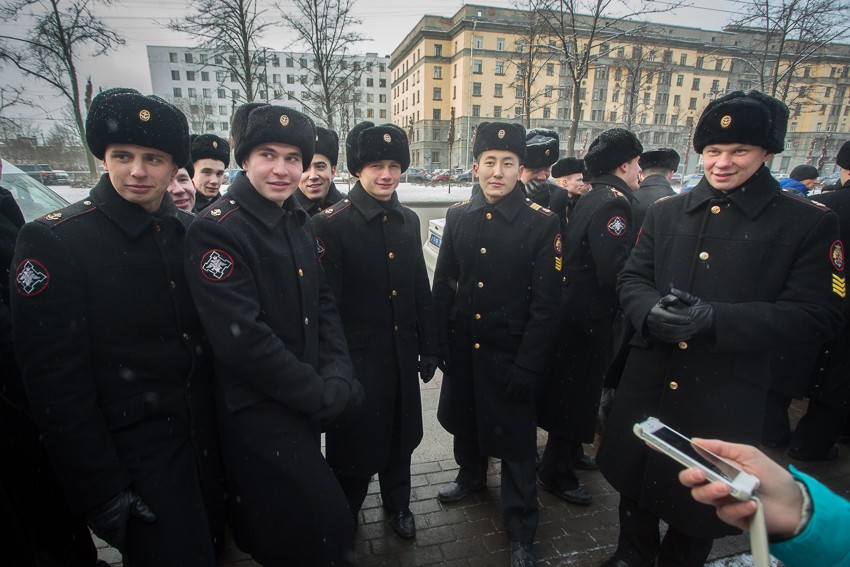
{"x": 802, "y": 179}
{"x": 541, "y": 152}
{"x": 210, "y": 157}
{"x": 657, "y": 169}
{"x": 567, "y": 174}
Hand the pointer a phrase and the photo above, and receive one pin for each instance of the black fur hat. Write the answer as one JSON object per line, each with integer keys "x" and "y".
{"x": 843, "y": 158}
{"x": 567, "y": 166}
{"x": 803, "y": 172}
{"x": 264, "y": 123}
{"x": 610, "y": 149}
{"x": 367, "y": 143}
{"x": 327, "y": 144}
{"x": 499, "y": 136}
{"x": 210, "y": 146}
{"x": 125, "y": 116}
{"x": 743, "y": 118}
{"x": 662, "y": 158}
{"x": 190, "y": 168}
{"x": 542, "y": 147}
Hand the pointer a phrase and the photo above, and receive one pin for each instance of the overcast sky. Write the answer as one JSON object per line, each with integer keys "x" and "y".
{"x": 385, "y": 22}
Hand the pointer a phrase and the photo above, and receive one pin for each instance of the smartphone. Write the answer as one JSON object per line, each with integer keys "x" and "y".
{"x": 742, "y": 485}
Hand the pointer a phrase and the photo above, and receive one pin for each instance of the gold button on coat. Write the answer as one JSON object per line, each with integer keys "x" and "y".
{"x": 300, "y": 272}
{"x": 683, "y": 345}
{"x": 715, "y": 209}
{"x": 488, "y": 216}
{"x": 390, "y": 255}
{"x": 703, "y": 255}
{"x": 395, "y": 293}
{"x": 476, "y": 346}
{"x": 478, "y": 316}
{"x": 674, "y": 385}
{"x": 306, "y": 321}
{"x": 483, "y": 250}
{"x": 480, "y": 284}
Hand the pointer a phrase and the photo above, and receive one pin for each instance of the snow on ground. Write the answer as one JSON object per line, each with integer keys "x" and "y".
{"x": 742, "y": 560}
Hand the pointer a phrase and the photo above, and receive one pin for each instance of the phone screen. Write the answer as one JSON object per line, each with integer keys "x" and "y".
{"x": 703, "y": 456}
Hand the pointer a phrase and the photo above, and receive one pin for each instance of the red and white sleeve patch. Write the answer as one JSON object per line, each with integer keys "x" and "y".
{"x": 836, "y": 255}
{"x": 617, "y": 226}
{"x": 559, "y": 248}
{"x": 31, "y": 277}
{"x": 320, "y": 247}
{"x": 216, "y": 265}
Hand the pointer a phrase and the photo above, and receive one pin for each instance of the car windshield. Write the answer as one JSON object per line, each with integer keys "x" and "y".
{"x": 34, "y": 199}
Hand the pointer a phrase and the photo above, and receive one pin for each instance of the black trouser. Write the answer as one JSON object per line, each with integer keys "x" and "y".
{"x": 640, "y": 541}
{"x": 519, "y": 493}
{"x": 557, "y": 467}
{"x": 819, "y": 429}
{"x": 394, "y": 480}
{"x": 777, "y": 426}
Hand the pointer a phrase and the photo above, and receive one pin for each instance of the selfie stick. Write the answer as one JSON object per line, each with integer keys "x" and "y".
{"x": 758, "y": 536}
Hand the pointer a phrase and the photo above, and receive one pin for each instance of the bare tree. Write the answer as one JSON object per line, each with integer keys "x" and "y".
{"x": 198, "y": 111}
{"x": 50, "y": 51}
{"x": 583, "y": 30}
{"x": 635, "y": 75}
{"x": 228, "y": 30}
{"x": 9, "y": 98}
{"x": 780, "y": 37}
{"x": 536, "y": 54}
{"x": 325, "y": 28}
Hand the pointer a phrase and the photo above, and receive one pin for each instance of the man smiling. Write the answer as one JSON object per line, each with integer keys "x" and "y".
{"x": 210, "y": 155}
{"x": 317, "y": 190}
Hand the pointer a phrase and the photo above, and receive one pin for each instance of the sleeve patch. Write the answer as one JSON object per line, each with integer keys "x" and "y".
{"x": 31, "y": 278}
{"x": 216, "y": 265}
{"x": 320, "y": 247}
{"x": 836, "y": 255}
{"x": 559, "y": 248}
{"x": 617, "y": 226}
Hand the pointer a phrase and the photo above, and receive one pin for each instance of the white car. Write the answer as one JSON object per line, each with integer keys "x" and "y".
{"x": 34, "y": 198}
{"x": 431, "y": 248}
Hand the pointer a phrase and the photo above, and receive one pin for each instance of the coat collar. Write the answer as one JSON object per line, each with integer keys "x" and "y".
{"x": 655, "y": 180}
{"x": 267, "y": 212}
{"x": 129, "y": 217}
{"x": 333, "y": 197}
{"x": 509, "y": 207}
{"x": 752, "y": 197}
{"x": 611, "y": 180}
{"x": 370, "y": 207}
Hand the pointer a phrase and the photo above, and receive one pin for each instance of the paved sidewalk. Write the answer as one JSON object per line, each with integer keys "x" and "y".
{"x": 469, "y": 533}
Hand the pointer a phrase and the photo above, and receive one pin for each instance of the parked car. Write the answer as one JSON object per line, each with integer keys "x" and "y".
{"x": 440, "y": 177}
{"x": 62, "y": 177}
{"x": 465, "y": 176}
{"x": 40, "y": 172}
{"x": 416, "y": 175}
{"x": 34, "y": 199}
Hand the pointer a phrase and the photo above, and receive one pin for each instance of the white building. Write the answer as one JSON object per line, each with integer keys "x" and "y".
{"x": 208, "y": 95}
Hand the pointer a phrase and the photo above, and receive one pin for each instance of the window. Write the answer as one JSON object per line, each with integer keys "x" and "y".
{"x": 370, "y": 82}
{"x": 519, "y": 91}
{"x": 657, "y": 137}
{"x": 370, "y": 113}
{"x": 497, "y": 90}
{"x": 621, "y": 52}
{"x": 715, "y": 85}
{"x": 178, "y": 93}
{"x": 600, "y": 73}
{"x": 437, "y": 114}
{"x": 235, "y": 94}
{"x": 677, "y": 100}
{"x": 220, "y": 76}
{"x": 190, "y": 75}
{"x": 222, "y": 109}
{"x": 500, "y": 44}
{"x": 382, "y": 83}
{"x": 370, "y": 97}
{"x": 303, "y": 63}
{"x": 205, "y": 75}
{"x": 172, "y": 58}
{"x": 477, "y": 66}
{"x": 718, "y": 64}
{"x": 438, "y": 72}
{"x": 438, "y": 50}
{"x": 547, "y": 112}
{"x": 438, "y": 93}
{"x": 646, "y": 97}
{"x": 547, "y": 92}
{"x": 680, "y": 79}
{"x": 188, "y": 58}
{"x": 382, "y": 98}
{"x": 454, "y": 73}
{"x": 454, "y": 92}
{"x": 550, "y": 69}
{"x": 208, "y": 109}
{"x": 689, "y": 121}
{"x": 664, "y": 77}
{"x": 695, "y": 84}
{"x": 478, "y": 42}
{"x": 500, "y": 67}
{"x": 497, "y": 111}
{"x": 476, "y": 89}
{"x": 828, "y": 92}
{"x": 517, "y": 112}
{"x": 618, "y": 74}
{"x": 659, "y": 118}
{"x": 222, "y": 93}
{"x": 476, "y": 110}
{"x": 435, "y": 156}
{"x": 700, "y": 61}
{"x": 219, "y": 60}
{"x": 615, "y": 96}
{"x": 598, "y": 94}
{"x": 520, "y": 70}
{"x": 668, "y": 56}
{"x": 662, "y": 99}
{"x": 223, "y": 125}
{"x": 192, "y": 93}
{"x": 207, "y": 93}
{"x": 692, "y": 105}
{"x": 175, "y": 75}
{"x": 612, "y": 116}
{"x": 290, "y": 79}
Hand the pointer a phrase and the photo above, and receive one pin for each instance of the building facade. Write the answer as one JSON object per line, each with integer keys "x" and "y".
{"x": 195, "y": 81}
{"x": 489, "y": 64}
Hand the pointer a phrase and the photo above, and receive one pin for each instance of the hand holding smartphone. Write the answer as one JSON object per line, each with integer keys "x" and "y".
{"x": 742, "y": 485}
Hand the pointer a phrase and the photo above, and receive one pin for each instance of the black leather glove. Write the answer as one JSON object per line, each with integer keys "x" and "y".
{"x": 666, "y": 325}
{"x": 537, "y": 189}
{"x": 109, "y": 520}
{"x": 445, "y": 363}
{"x": 699, "y": 311}
{"x": 518, "y": 384}
{"x": 428, "y": 366}
{"x": 355, "y": 400}
{"x": 334, "y": 398}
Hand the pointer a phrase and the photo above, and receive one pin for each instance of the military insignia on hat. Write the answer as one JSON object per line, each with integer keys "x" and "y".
{"x": 559, "y": 249}
{"x": 726, "y": 121}
{"x": 31, "y": 278}
{"x": 284, "y": 120}
{"x": 320, "y": 247}
{"x": 216, "y": 265}
{"x": 387, "y": 138}
{"x": 501, "y": 134}
{"x": 144, "y": 115}
{"x": 836, "y": 255}
{"x": 215, "y": 144}
{"x": 617, "y": 226}
{"x": 839, "y": 285}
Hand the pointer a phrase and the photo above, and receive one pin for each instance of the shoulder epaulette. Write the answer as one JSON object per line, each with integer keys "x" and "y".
{"x": 539, "y": 208}
{"x": 73, "y": 210}
{"x": 220, "y": 210}
{"x": 336, "y": 208}
{"x": 459, "y": 204}
{"x": 803, "y": 199}
{"x": 616, "y": 192}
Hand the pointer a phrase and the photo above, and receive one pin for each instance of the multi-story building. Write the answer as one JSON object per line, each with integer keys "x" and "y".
{"x": 192, "y": 79}
{"x": 487, "y": 63}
